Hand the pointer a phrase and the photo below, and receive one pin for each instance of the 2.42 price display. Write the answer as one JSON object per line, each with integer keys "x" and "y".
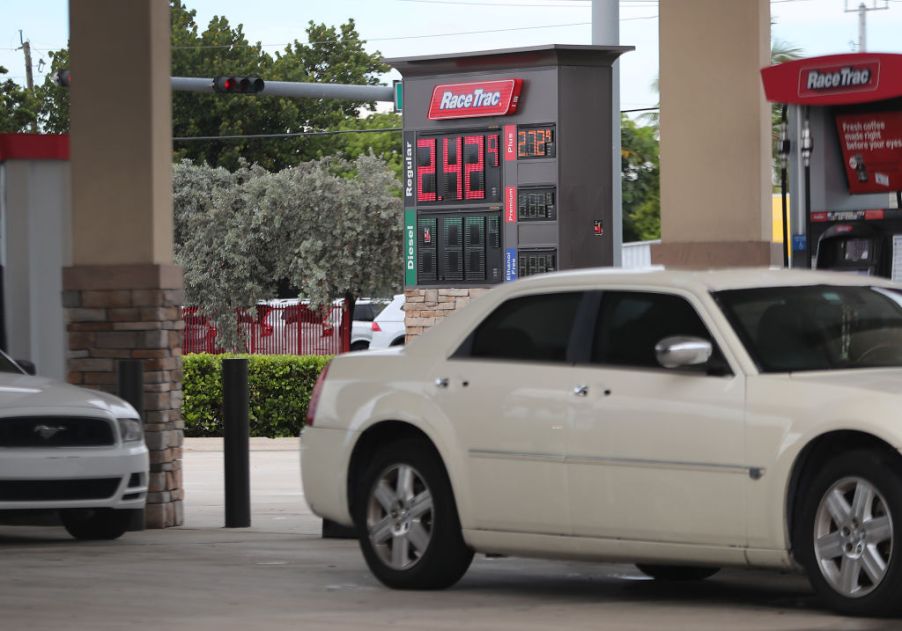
{"x": 458, "y": 168}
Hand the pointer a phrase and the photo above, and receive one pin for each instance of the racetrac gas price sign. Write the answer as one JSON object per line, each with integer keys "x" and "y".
{"x": 503, "y": 173}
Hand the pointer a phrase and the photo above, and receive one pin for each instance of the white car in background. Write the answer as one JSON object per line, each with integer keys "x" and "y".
{"x": 682, "y": 421}
{"x": 69, "y": 450}
{"x": 388, "y": 327}
{"x": 366, "y": 310}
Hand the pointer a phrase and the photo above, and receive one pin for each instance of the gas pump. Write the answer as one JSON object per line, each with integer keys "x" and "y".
{"x": 841, "y": 142}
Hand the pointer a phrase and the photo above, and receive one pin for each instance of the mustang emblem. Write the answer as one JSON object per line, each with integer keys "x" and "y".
{"x": 47, "y": 432}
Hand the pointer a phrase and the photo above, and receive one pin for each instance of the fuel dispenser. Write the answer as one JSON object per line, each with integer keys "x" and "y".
{"x": 507, "y": 163}
{"x": 841, "y": 147}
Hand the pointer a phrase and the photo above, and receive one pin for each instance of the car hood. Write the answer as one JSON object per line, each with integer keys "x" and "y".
{"x": 23, "y": 394}
{"x": 882, "y": 380}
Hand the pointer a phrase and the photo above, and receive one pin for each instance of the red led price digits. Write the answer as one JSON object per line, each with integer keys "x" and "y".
{"x": 474, "y": 186}
{"x": 426, "y": 170}
{"x": 452, "y": 169}
{"x": 492, "y": 149}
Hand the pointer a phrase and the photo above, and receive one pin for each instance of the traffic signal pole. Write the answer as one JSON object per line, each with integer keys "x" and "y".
{"x": 296, "y": 89}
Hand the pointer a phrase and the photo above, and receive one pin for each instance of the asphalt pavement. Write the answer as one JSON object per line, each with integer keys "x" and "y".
{"x": 280, "y": 574}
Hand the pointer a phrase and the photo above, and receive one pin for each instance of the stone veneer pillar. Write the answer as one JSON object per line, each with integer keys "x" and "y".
{"x": 424, "y": 308}
{"x": 118, "y": 312}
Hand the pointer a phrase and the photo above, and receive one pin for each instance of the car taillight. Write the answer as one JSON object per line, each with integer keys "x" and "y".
{"x": 375, "y": 326}
{"x": 314, "y": 396}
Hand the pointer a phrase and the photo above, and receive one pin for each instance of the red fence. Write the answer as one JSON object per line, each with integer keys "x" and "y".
{"x": 292, "y": 329}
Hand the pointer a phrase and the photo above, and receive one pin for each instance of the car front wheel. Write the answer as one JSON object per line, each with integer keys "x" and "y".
{"x": 407, "y": 520}
{"x": 848, "y": 534}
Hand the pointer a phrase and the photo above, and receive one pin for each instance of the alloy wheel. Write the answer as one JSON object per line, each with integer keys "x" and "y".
{"x": 853, "y": 537}
{"x": 399, "y": 516}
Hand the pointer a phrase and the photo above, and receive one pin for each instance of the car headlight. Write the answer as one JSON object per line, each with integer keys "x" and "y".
{"x": 131, "y": 430}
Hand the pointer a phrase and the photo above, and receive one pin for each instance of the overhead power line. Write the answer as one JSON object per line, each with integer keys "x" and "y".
{"x": 426, "y": 36}
{"x": 333, "y": 132}
{"x": 286, "y": 134}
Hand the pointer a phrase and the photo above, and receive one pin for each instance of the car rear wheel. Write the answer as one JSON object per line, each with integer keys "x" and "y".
{"x": 848, "y": 533}
{"x": 677, "y": 572}
{"x": 96, "y": 524}
{"x": 360, "y": 346}
{"x": 407, "y": 520}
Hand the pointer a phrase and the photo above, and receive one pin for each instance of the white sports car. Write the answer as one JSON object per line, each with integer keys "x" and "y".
{"x": 682, "y": 421}
{"x": 69, "y": 450}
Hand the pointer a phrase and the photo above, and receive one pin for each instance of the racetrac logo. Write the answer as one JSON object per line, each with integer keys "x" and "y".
{"x": 844, "y": 78}
{"x": 468, "y": 100}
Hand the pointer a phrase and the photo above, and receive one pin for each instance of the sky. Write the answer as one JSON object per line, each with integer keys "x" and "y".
{"x": 400, "y": 28}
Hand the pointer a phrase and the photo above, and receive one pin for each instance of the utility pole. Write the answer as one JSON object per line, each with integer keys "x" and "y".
{"x": 606, "y": 32}
{"x": 862, "y": 11}
{"x": 29, "y": 77}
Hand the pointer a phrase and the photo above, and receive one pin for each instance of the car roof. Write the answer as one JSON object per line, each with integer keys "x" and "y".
{"x": 705, "y": 280}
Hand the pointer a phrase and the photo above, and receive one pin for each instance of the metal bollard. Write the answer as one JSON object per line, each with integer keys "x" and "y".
{"x": 131, "y": 383}
{"x": 236, "y": 443}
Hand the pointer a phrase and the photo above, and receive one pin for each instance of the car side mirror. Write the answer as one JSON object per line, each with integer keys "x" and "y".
{"x": 27, "y": 366}
{"x": 679, "y": 351}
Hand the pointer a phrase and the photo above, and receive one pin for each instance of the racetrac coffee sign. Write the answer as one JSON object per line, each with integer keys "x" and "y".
{"x": 471, "y": 100}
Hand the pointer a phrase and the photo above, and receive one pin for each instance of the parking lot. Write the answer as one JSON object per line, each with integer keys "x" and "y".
{"x": 279, "y": 574}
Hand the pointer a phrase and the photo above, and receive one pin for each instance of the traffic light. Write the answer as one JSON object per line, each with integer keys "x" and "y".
{"x": 238, "y": 85}
{"x": 63, "y": 78}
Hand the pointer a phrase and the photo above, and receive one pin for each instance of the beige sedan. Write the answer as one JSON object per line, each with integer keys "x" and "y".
{"x": 682, "y": 421}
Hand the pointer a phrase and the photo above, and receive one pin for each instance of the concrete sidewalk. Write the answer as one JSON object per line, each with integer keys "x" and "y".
{"x": 277, "y": 500}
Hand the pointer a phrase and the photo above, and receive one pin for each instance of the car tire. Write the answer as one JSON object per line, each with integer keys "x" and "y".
{"x": 407, "y": 521}
{"x": 848, "y": 533}
{"x": 91, "y": 524}
{"x": 360, "y": 346}
{"x": 398, "y": 341}
{"x": 677, "y": 573}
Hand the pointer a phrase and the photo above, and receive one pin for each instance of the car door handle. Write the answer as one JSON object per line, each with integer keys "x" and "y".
{"x": 441, "y": 382}
{"x": 581, "y": 391}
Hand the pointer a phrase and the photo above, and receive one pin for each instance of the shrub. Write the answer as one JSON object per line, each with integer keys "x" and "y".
{"x": 280, "y": 387}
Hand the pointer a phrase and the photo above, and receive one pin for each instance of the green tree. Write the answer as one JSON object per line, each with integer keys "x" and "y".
{"x": 640, "y": 181}
{"x": 54, "y": 98}
{"x": 331, "y": 226}
{"x": 344, "y": 219}
{"x": 386, "y": 146}
{"x": 18, "y": 107}
{"x": 331, "y": 55}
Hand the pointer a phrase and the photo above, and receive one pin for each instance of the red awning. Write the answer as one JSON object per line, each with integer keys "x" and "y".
{"x": 835, "y": 79}
{"x": 34, "y": 147}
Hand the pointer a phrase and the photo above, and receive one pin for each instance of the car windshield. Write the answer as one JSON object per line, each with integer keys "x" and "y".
{"x": 821, "y": 327}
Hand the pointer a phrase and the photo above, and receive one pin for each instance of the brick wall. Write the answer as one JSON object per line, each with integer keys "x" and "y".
{"x": 425, "y": 307}
{"x": 106, "y": 323}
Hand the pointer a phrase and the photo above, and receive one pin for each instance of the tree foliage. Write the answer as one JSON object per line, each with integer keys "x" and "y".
{"x": 331, "y": 226}
{"x": 330, "y": 55}
{"x": 640, "y": 170}
{"x": 18, "y": 107}
{"x": 386, "y": 146}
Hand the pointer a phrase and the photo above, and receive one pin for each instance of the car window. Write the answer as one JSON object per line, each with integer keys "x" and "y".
{"x": 364, "y": 312}
{"x": 529, "y": 328}
{"x": 818, "y": 327}
{"x": 630, "y": 325}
